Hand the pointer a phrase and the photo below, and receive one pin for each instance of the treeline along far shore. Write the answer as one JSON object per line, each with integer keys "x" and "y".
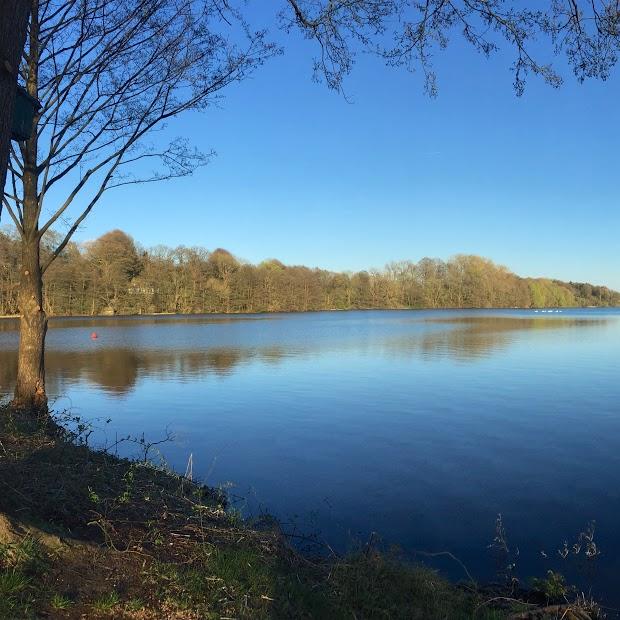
{"x": 113, "y": 275}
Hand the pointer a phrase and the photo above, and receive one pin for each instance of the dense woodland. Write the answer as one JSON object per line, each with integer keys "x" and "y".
{"x": 112, "y": 275}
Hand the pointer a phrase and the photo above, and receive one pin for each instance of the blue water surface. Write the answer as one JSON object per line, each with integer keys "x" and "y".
{"x": 420, "y": 426}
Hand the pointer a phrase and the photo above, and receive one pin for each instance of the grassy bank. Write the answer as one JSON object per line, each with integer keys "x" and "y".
{"x": 85, "y": 534}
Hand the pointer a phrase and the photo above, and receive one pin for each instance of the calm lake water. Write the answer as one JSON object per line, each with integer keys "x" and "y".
{"x": 421, "y": 426}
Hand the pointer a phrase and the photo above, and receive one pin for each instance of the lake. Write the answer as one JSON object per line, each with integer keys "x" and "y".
{"x": 420, "y": 426}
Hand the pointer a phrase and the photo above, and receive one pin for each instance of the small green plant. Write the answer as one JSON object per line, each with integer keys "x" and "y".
{"x": 235, "y": 517}
{"x": 107, "y": 602}
{"x": 128, "y": 479}
{"x": 135, "y": 604}
{"x": 93, "y": 496}
{"x": 59, "y": 601}
{"x": 158, "y": 537}
{"x": 12, "y": 583}
{"x": 26, "y": 556}
{"x": 14, "y": 593}
{"x": 20, "y": 564}
{"x": 16, "y": 596}
{"x": 553, "y": 587}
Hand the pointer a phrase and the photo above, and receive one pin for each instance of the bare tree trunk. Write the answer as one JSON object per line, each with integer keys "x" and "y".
{"x": 30, "y": 387}
{"x": 13, "y": 23}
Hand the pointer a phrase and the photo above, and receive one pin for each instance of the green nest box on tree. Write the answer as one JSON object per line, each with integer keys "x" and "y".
{"x": 25, "y": 109}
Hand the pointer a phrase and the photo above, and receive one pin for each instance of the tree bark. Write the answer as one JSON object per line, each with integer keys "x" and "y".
{"x": 13, "y": 24}
{"x": 30, "y": 387}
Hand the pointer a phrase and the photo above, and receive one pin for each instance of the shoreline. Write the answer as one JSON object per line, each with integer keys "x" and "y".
{"x": 299, "y": 312}
{"x": 85, "y": 533}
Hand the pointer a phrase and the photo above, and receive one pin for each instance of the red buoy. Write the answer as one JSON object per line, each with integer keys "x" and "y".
{"x": 94, "y": 336}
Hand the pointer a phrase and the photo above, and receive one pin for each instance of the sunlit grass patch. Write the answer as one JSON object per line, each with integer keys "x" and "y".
{"x": 21, "y": 563}
{"x": 13, "y": 593}
{"x": 59, "y": 602}
{"x": 376, "y": 585}
{"x": 134, "y": 604}
{"x": 106, "y": 602}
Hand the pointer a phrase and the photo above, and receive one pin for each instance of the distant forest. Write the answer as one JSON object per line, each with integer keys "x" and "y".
{"x": 112, "y": 275}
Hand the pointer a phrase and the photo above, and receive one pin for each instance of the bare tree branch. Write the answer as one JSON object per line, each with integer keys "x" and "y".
{"x": 108, "y": 73}
{"x": 10, "y": 211}
{"x": 407, "y": 32}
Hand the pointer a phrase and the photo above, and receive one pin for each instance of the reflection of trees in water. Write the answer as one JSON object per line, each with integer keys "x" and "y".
{"x": 153, "y": 319}
{"x": 482, "y": 336}
{"x": 511, "y": 323}
{"x": 117, "y": 370}
{"x": 97, "y": 322}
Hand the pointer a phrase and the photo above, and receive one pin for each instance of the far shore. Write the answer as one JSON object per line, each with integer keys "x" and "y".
{"x": 263, "y": 312}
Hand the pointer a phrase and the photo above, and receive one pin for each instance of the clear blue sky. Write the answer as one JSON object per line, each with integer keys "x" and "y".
{"x": 304, "y": 176}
